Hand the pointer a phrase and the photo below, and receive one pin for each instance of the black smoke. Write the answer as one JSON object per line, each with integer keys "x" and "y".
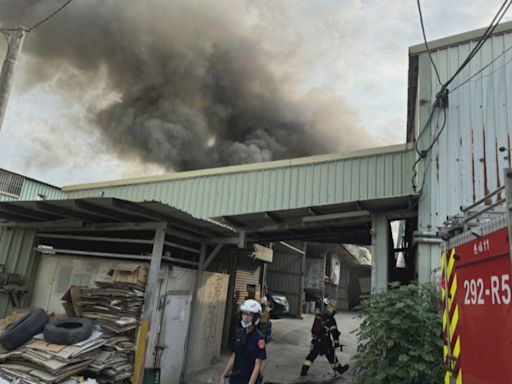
{"x": 194, "y": 83}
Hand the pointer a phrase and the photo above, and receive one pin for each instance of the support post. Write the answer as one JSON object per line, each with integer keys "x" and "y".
{"x": 15, "y": 40}
{"x": 186, "y": 373}
{"x": 380, "y": 240}
{"x": 301, "y": 278}
{"x": 150, "y": 304}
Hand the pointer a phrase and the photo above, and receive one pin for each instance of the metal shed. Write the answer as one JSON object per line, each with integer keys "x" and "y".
{"x": 112, "y": 228}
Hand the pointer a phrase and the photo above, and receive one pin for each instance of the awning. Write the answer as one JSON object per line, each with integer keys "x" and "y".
{"x": 103, "y": 210}
{"x": 336, "y": 223}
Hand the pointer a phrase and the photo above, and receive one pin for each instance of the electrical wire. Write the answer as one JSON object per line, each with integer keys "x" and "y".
{"x": 443, "y": 93}
{"x": 423, "y": 154}
{"x": 49, "y": 16}
{"x": 488, "y": 32}
{"x": 426, "y": 43}
{"x": 483, "y": 69}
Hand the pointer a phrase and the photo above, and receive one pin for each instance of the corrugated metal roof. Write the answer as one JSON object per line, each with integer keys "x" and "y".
{"x": 106, "y": 210}
{"x": 320, "y": 180}
{"x": 458, "y": 39}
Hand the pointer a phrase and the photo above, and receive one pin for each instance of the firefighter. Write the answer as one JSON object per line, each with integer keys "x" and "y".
{"x": 324, "y": 332}
{"x": 244, "y": 365}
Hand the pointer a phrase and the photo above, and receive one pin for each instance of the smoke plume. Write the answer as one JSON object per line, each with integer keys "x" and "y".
{"x": 183, "y": 83}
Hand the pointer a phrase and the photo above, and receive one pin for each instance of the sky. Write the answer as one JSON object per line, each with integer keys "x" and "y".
{"x": 331, "y": 73}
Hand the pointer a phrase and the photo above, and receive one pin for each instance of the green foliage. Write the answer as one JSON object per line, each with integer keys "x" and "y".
{"x": 399, "y": 340}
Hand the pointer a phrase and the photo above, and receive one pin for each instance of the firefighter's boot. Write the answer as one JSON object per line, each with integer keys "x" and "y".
{"x": 342, "y": 369}
{"x": 304, "y": 370}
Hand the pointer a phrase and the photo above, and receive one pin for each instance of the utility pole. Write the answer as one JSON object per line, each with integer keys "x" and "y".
{"x": 15, "y": 38}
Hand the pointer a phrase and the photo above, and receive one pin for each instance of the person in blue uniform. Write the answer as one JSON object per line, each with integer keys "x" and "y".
{"x": 324, "y": 334}
{"x": 244, "y": 365}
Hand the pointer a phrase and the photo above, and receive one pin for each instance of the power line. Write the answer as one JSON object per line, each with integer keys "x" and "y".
{"x": 49, "y": 16}
{"x": 488, "y": 32}
{"x": 483, "y": 69}
{"x": 426, "y": 43}
{"x": 441, "y": 98}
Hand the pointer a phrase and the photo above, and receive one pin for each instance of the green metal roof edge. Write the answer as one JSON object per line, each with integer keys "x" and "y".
{"x": 31, "y": 179}
{"x": 458, "y": 39}
{"x": 244, "y": 168}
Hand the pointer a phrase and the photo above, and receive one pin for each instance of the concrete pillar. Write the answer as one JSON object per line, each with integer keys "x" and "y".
{"x": 428, "y": 257}
{"x": 380, "y": 247}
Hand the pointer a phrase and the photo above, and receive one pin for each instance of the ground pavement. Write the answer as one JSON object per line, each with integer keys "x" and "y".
{"x": 289, "y": 347}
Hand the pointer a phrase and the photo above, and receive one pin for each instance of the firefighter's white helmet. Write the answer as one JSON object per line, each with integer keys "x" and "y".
{"x": 252, "y": 307}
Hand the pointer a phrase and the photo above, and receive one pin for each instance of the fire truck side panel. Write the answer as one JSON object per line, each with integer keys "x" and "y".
{"x": 483, "y": 298}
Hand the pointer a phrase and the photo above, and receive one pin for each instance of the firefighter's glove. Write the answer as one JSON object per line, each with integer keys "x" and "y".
{"x": 341, "y": 347}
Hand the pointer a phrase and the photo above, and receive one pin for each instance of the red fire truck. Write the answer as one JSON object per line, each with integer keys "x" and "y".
{"x": 476, "y": 291}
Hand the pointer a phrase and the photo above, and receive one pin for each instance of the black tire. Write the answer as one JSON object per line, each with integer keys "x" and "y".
{"x": 69, "y": 331}
{"x": 24, "y": 329}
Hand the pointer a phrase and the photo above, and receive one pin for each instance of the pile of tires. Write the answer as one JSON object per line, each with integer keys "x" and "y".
{"x": 68, "y": 331}
{"x": 24, "y": 329}
{"x": 64, "y": 332}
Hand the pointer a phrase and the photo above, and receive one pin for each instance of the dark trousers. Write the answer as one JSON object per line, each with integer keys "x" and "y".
{"x": 243, "y": 379}
{"x": 321, "y": 348}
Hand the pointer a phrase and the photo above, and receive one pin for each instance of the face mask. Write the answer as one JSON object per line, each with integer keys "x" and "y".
{"x": 245, "y": 325}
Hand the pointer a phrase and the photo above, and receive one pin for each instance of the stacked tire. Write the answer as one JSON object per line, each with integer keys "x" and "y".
{"x": 64, "y": 332}
{"x": 24, "y": 329}
{"x": 68, "y": 331}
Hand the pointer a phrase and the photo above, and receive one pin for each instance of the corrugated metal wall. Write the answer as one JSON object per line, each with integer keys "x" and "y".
{"x": 16, "y": 253}
{"x": 284, "y": 275}
{"x": 31, "y": 189}
{"x": 465, "y": 164}
{"x": 381, "y": 173}
{"x": 7, "y": 198}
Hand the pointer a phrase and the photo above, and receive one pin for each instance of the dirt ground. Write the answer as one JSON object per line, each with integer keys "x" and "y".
{"x": 290, "y": 344}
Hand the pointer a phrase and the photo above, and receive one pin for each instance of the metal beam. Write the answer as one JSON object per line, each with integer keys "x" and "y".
{"x": 47, "y": 225}
{"x": 188, "y": 262}
{"x": 183, "y": 247}
{"x": 224, "y": 240}
{"x": 183, "y": 234}
{"x": 157, "y": 216}
{"x": 27, "y": 213}
{"x": 232, "y": 222}
{"x": 95, "y": 254}
{"x": 212, "y": 255}
{"x": 273, "y": 217}
{"x": 298, "y": 225}
{"x": 65, "y": 212}
{"x": 336, "y": 216}
{"x": 101, "y": 211}
{"x": 95, "y": 238}
{"x": 291, "y": 247}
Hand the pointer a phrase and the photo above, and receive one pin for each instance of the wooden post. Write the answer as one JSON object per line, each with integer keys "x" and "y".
{"x": 150, "y": 301}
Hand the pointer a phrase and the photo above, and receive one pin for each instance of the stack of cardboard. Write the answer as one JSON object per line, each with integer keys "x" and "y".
{"x": 117, "y": 306}
{"x": 41, "y": 362}
{"x": 115, "y": 362}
